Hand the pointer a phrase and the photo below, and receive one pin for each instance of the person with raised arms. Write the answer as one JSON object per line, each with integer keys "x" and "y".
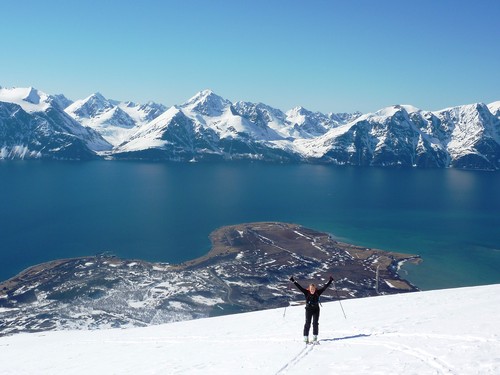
{"x": 312, "y": 295}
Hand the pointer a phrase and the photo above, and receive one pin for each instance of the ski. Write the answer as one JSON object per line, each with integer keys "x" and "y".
{"x": 312, "y": 343}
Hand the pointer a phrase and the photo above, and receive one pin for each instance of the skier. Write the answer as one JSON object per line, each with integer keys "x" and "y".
{"x": 312, "y": 307}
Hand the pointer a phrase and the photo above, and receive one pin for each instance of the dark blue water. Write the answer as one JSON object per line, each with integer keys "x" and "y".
{"x": 165, "y": 212}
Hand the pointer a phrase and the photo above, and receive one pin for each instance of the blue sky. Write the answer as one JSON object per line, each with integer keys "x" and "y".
{"x": 325, "y": 55}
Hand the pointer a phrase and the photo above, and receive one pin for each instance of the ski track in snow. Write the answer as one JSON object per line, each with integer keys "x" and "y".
{"x": 383, "y": 340}
{"x": 303, "y": 353}
{"x": 427, "y": 358}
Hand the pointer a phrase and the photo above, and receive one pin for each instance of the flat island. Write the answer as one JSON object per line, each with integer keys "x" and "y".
{"x": 247, "y": 269}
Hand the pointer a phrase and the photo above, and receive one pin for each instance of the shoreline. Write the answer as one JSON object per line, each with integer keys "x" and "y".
{"x": 247, "y": 269}
{"x": 216, "y": 251}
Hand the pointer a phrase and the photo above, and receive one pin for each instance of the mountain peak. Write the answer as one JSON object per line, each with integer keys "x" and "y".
{"x": 495, "y": 108}
{"x": 29, "y": 98}
{"x": 206, "y": 92}
{"x": 33, "y": 96}
{"x": 97, "y": 97}
{"x": 91, "y": 106}
{"x": 202, "y": 95}
{"x": 208, "y": 103}
{"x": 62, "y": 100}
{"x": 298, "y": 111}
{"x": 394, "y": 109}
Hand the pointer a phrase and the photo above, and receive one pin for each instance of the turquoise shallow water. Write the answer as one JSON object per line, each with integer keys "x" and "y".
{"x": 165, "y": 212}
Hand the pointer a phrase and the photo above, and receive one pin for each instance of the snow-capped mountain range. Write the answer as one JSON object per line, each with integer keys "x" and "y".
{"x": 209, "y": 127}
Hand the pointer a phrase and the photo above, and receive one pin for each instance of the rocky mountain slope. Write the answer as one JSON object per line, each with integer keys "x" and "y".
{"x": 33, "y": 125}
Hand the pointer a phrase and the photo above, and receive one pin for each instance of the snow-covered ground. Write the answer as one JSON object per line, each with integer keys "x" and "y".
{"x": 454, "y": 331}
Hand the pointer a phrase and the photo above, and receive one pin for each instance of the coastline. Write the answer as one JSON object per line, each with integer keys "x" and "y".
{"x": 247, "y": 269}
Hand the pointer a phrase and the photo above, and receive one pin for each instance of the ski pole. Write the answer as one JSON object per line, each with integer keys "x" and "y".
{"x": 288, "y": 304}
{"x": 338, "y": 297}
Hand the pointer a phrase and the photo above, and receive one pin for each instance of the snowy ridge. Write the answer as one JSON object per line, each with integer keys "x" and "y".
{"x": 450, "y": 331}
{"x": 115, "y": 121}
{"x": 207, "y": 103}
{"x": 33, "y": 125}
{"x": 29, "y": 99}
{"x": 210, "y": 111}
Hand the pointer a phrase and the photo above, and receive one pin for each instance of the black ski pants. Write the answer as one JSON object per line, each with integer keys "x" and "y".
{"x": 312, "y": 313}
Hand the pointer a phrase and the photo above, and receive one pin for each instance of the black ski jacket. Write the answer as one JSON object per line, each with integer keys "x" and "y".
{"x": 312, "y": 299}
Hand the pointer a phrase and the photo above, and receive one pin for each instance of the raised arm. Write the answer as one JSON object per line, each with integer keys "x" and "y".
{"x": 326, "y": 286}
{"x": 303, "y": 290}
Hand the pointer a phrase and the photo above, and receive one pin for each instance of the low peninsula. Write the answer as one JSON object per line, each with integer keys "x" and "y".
{"x": 247, "y": 269}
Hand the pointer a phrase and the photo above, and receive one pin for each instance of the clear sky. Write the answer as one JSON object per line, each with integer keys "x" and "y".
{"x": 325, "y": 55}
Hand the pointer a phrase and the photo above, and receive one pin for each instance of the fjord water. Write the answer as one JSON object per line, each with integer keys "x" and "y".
{"x": 165, "y": 212}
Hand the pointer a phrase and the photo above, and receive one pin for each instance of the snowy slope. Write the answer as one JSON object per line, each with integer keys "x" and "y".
{"x": 28, "y": 98}
{"x": 212, "y": 111}
{"x": 307, "y": 124}
{"x": 114, "y": 120}
{"x": 452, "y": 331}
{"x": 204, "y": 127}
{"x": 495, "y": 108}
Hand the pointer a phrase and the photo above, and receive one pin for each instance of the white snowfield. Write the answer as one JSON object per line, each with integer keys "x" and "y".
{"x": 454, "y": 331}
